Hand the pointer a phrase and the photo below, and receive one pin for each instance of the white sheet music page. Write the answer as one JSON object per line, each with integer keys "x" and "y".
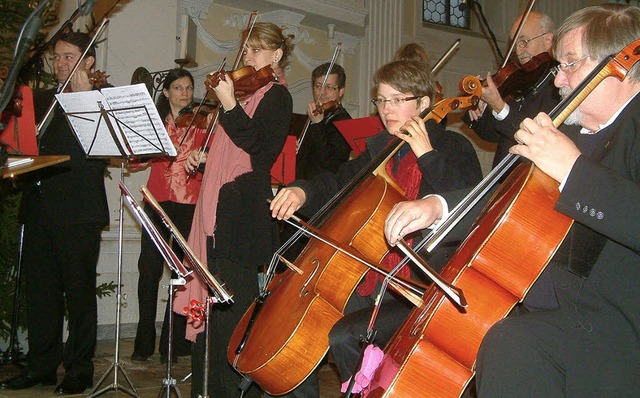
{"x": 94, "y": 137}
{"x": 139, "y": 120}
{"x": 136, "y": 123}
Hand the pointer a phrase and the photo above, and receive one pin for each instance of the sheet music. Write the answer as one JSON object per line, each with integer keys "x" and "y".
{"x": 135, "y": 120}
{"x": 142, "y": 135}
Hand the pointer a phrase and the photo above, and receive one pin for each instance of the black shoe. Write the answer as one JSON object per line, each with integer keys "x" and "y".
{"x": 26, "y": 380}
{"x": 139, "y": 358}
{"x": 73, "y": 385}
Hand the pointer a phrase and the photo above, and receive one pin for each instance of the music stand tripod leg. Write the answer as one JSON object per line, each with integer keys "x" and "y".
{"x": 169, "y": 382}
{"x": 116, "y": 365}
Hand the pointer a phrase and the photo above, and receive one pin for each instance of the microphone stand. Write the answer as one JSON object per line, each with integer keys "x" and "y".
{"x": 478, "y": 8}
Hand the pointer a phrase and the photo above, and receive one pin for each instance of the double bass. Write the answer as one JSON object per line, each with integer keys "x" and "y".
{"x": 433, "y": 353}
{"x": 283, "y": 336}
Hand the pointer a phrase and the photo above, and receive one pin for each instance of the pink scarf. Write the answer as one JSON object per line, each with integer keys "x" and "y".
{"x": 225, "y": 162}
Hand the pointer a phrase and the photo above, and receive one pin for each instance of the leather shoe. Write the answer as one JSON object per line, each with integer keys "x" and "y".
{"x": 73, "y": 385}
{"x": 139, "y": 358}
{"x": 26, "y": 380}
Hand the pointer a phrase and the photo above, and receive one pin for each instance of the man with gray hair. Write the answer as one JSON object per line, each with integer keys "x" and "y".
{"x": 496, "y": 119}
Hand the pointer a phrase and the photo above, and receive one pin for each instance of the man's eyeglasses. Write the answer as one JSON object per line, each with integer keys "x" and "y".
{"x": 329, "y": 88}
{"x": 523, "y": 43}
{"x": 393, "y": 102}
{"x": 570, "y": 67}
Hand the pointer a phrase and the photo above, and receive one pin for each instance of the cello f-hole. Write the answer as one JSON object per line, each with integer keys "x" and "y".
{"x": 303, "y": 289}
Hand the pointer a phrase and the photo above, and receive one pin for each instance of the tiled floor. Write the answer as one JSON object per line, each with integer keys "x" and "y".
{"x": 147, "y": 379}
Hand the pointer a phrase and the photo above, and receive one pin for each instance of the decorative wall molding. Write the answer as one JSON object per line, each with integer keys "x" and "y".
{"x": 291, "y": 21}
{"x": 197, "y": 9}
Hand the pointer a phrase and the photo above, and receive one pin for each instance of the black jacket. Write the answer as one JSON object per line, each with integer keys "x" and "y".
{"x": 72, "y": 192}
{"x": 323, "y": 147}
{"x": 245, "y": 231}
{"x": 453, "y": 164}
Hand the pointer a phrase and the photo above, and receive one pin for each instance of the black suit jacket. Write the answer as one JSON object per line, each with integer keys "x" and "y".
{"x": 72, "y": 192}
{"x": 602, "y": 195}
{"x": 323, "y": 148}
{"x": 490, "y": 129}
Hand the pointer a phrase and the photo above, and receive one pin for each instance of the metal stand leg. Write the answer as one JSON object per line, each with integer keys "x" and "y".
{"x": 116, "y": 364}
{"x": 12, "y": 355}
{"x": 169, "y": 382}
{"x": 207, "y": 345}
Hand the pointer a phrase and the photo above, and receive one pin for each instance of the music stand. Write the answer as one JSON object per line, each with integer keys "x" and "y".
{"x": 122, "y": 122}
{"x": 356, "y": 131}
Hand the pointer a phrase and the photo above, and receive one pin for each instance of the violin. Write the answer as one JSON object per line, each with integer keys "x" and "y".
{"x": 514, "y": 78}
{"x": 98, "y": 79}
{"x": 246, "y": 80}
{"x": 189, "y": 117}
{"x": 326, "y": 107}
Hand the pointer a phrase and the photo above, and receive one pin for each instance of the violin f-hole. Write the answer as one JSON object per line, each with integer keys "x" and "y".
{"x": 303, "y": 289}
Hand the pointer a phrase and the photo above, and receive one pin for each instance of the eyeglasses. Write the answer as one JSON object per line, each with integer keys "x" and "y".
{"x": 523, "y": 43}
{"x": 329, "y": 88}
{"x": 393, "y": 102}
{"x": 570, "y": 67}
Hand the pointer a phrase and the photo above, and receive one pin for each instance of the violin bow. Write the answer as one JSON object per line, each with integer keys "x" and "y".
{"x": 523, "y": 20}
{"x": 445, "y": 57}
{"x": 214, "y": 123}
{"x": 47, "y": 116}
{"x": 336, "y": 51}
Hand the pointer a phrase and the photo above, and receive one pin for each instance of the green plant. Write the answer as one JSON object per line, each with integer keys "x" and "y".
{"x": 9, "y": 239}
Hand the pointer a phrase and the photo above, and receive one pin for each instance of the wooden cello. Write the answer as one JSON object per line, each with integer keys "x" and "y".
{"x": 284, "y": 335}
{"x": 433, "y": 353}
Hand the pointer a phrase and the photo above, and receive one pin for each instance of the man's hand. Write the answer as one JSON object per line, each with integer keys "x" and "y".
{"x": 491, "y": 96}
{"x": 411, "y": 216}
{"x": 551, "y": 151}
{"x": 475, "y": 114}
{"x": 311, "y": 108}
{"x": 287, "y": 201}
{"x": 80, "y": 81}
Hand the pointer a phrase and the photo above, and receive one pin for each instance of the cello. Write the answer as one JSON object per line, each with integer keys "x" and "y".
{"x": 517, "y": 226}
{"x": 298, "y": 310}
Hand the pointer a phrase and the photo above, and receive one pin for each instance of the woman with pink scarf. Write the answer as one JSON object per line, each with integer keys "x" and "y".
{"x": 232, "y": 228}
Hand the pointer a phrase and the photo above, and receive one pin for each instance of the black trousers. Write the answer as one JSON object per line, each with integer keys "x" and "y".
{"x": 60, "y": 274}
{"x": 223, "y": 380}
{"x": 525, "y": 354}
{"x": 150, "y": 268}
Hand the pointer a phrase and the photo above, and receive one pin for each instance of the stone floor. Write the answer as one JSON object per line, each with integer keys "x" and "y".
{"x": 146, "y": 379}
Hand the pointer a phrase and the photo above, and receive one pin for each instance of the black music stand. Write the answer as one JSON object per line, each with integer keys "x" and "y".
{"x": 122, "y": 123}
